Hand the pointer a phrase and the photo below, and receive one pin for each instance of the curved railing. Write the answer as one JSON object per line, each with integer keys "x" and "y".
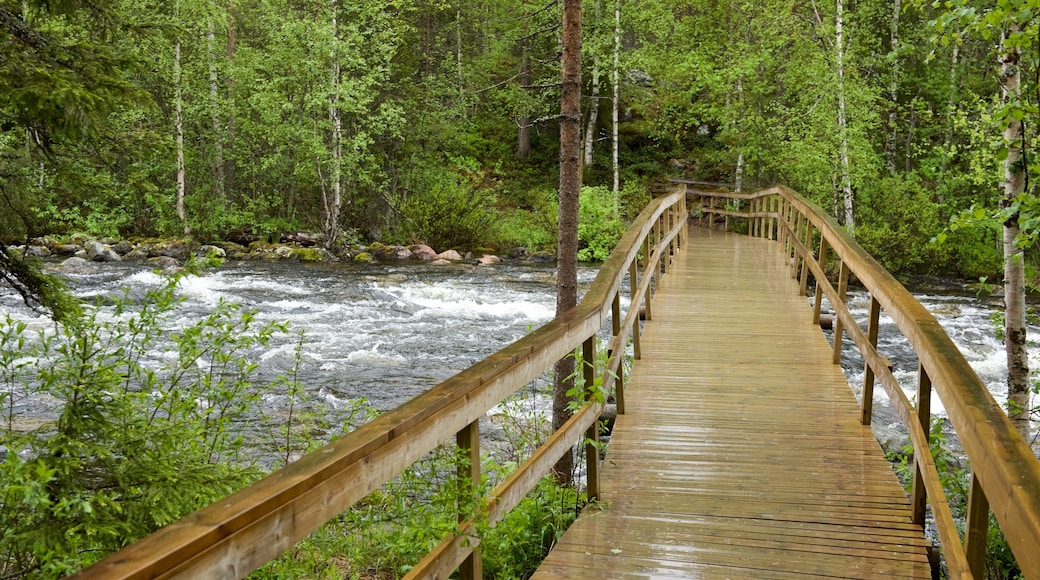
{"x": 240, "y": 533}
{"x": 1005, "y": 472}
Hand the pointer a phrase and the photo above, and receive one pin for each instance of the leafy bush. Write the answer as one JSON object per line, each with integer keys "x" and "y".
{"x": 599, "y": 224}
{"x": 448, "y": 212}
{"x": 139, "y": 440}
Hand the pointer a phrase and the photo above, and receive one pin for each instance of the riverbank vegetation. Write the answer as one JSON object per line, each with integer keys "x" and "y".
{"x": 410, "y": 121}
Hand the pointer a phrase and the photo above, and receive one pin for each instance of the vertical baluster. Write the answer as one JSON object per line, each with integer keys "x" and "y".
{"x": 867, "y": 409}
{"x": 918, "y": 493}
{"x": 843, "y": 286}
{"x": 619, "y": 382}
{"x": 649, "y": 271}
{"x": 803, "y": 283}
{"x": 773, "y": 207}
{"x": 976, "y": 529}
{"x": 656, "y": 245}
{"x": 588, "y": 355}
{"x": 633, "y": 277}
{"x": 759, "y": 219}
{"x": 797, "y": 258}
{"x": 468, "y": 443}
{"x": 818, "y": 298}
{"x": 686, "y": 223}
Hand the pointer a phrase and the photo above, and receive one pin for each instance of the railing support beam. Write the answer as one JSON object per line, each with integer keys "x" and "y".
{"x": 468, "y": 443}
{"x": 867, "y": 407}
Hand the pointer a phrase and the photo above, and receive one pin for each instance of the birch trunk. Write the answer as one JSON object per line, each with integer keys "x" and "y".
{"x": 332, "y": 206}
{"x": 179, "y": 129}
{"x": 1014, "y": 264}
{"x": 616, "y": 104}
{"x": 590, "y": 129}
{"x": 846, "y": 181}
{"x": 570, "y": 186}
{"x": 523, "y": 137}
{"x": 893, "y": 93}
{"x": 214, "y": 103}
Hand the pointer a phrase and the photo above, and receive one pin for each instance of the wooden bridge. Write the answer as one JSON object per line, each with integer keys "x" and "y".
{"x": 739, "y": 450}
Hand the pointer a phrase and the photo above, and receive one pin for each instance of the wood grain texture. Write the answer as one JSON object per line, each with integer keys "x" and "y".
{"x": 740, "y": 453}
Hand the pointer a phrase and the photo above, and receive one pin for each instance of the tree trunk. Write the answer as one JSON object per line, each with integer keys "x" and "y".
{"x": 523, "y": 137}
{"x": 179, "y": 129}
{"x": 590, "y": 129}
{"x": 615, "y": 104}
{"x": 893, "y": 92}
{"x": 846, "y": 182}
{"x": 570, "y": 187}
{"x": 214, "y": 103}
{"x": 1014, "y": 264}
{"x": 332, "y": 206}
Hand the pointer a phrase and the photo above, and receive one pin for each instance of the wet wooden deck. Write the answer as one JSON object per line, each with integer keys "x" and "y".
{"x": 740, "y": 454}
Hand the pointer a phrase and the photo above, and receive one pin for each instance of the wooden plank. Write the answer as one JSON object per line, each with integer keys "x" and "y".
{"x": 741, "y": 453}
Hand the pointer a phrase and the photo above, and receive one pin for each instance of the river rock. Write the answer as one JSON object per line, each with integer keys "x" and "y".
{"x": 451, "y": 255}
{"x": 138, "y": 254}
{"x": 364, "y": 257}
{"x": 210, "y": 250}
{"x": 77, "y": 265}
{"x": 166, "y": 264}
{"x": 543, "y": 257}
{"x": 122, "y": 247}
{"x": 423, "y": 252}
{"x": 66, "y": 249}
{"x": 519, "y": 253}
{"x": 440, "y": 262}
{"x": 98, "y": 252}
{"x": 487, "y": 260}
{"x": 177, "y": 249}
{"x": 312, "y": 254}
{"x": 37, "y": 251}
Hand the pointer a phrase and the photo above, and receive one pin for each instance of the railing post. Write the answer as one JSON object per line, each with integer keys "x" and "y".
{"x": 976, "y": 529}
{"x": 633, "y": 277}
{"x": 795, "y": 238}
{"x": 818, "y": 299}
{"x": 773, "y": 206}
{"x": 588, "y": 355}
{"x": 468, "y": 443}
{"x": 803, "y": 283}
{"x": 619, "y": 381}
{"x": 843, "y": 286}
{"x": 686, "y": 223}
{"x": 918, "y": 493}
{"x": 867, "y": 409}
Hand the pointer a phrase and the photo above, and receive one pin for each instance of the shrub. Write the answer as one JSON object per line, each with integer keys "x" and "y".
{"x": 139, "y": 440}
{"x": 599, "y": 224}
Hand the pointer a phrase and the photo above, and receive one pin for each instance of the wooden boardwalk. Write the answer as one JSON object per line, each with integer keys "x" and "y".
{"x": 740, "y": 454}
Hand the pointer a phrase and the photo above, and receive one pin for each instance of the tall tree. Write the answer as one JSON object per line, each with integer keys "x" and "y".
{"x": 1014, "y": 256}
{"x": 570, "y": 188}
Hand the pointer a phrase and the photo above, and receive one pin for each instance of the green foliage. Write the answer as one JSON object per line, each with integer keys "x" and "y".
{"x": 448, "y": 211}
{"x": 139, "y": 441}
{"x": 955, "y": 476}
{"x": 599, "y": 224}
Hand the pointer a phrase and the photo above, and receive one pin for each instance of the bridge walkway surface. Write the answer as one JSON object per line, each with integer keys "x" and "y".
{"x": 740, "y": 453}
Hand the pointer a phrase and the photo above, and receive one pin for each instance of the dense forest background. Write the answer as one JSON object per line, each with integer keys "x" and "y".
{"x": 437, "y": 120}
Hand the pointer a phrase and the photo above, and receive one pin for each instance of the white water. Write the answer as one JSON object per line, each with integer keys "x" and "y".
{"x": 386, "y": 334}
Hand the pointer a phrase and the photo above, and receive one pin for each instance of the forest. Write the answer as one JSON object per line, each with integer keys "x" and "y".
{"x": 437, "y": 121}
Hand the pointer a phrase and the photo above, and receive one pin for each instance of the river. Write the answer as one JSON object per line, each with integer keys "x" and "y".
{"x": 385, "y": 333}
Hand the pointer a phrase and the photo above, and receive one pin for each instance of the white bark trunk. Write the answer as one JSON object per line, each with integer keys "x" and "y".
{"x": 179, "y": 129}
{"x": 846, "y": 181}
{"x": 893, "y": 92}
{"x": 214, "y": 98}
{"x": 1014, "y": 266}
{"x": 616, "y": 104}
{"x": 590, "y": 129}
{"x": 332, "y": 207}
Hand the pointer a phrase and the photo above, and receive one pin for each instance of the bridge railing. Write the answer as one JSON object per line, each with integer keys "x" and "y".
{"x": 240, "y": 533}
{"x": 1005, "y": 477}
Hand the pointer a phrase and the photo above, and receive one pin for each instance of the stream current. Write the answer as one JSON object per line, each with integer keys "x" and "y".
{"x": 387, "y": 333}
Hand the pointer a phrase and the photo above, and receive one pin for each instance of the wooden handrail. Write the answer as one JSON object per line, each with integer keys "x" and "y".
{"x": 238, "y": 534}
{"x": 1005, "y": 471}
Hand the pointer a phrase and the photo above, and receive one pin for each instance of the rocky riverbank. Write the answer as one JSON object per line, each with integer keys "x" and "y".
{"x": 81, "y": 252}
